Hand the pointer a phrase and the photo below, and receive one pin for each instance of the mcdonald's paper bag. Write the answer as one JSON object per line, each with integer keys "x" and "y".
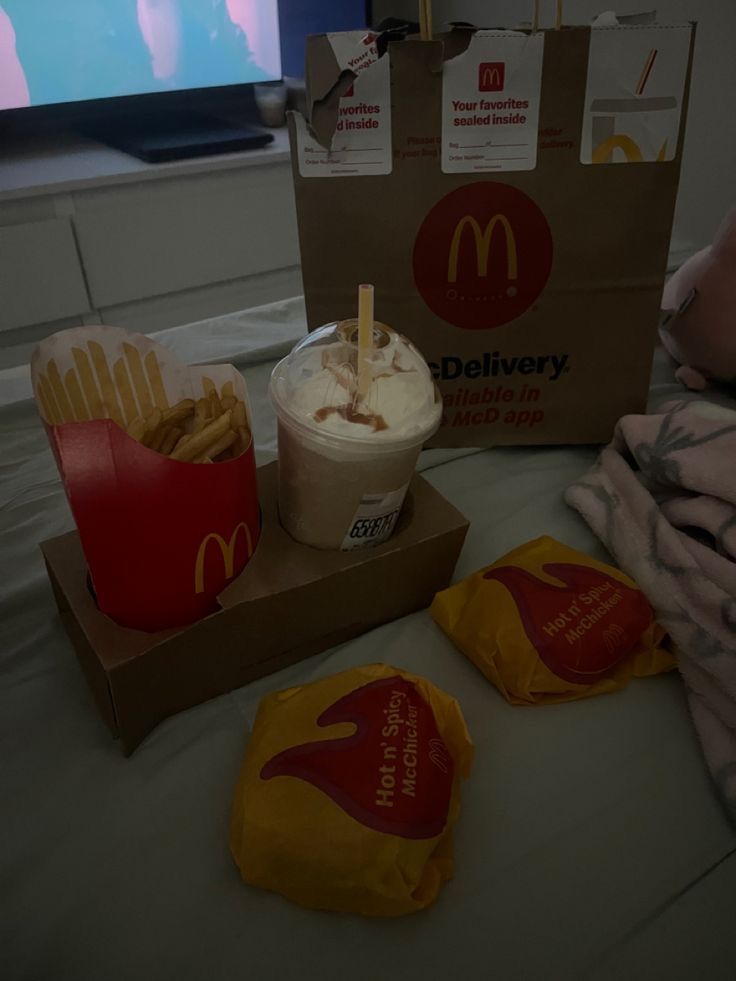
{"x": 161, "y": 537}
{"x": 547, "y": 623}
{"x": 511, "y": 195}
{"x": 349, "y": 791}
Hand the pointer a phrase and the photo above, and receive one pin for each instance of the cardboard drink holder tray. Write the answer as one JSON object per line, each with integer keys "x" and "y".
{"x": 290, "y": 602}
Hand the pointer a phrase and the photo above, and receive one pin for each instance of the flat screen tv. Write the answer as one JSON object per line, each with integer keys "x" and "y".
{"x": 137, "y": 73}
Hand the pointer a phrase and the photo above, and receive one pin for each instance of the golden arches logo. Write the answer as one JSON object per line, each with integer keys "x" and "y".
{"x": 483, "y": 241}
{"x": 630, "y": 149}
{"x": 490, "y": 79}
{"x": 227, "y": 549}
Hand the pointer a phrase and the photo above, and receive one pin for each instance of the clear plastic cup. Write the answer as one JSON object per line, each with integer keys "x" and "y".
{"x": 345, "y": 463}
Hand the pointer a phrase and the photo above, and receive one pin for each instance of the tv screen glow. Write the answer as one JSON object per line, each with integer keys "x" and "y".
{"x": 56, "y": 51}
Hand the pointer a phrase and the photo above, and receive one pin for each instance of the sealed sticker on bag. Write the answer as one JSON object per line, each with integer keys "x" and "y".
{"x": 349, "y": 791}
{"x": 547, "y": 623}
{"x": 490, "y": 103}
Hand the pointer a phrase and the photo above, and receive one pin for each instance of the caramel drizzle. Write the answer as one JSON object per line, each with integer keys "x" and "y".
{"x": 351, "y": 414}
{"x": 397, "y": 369}
{"x": 345, "y": 377}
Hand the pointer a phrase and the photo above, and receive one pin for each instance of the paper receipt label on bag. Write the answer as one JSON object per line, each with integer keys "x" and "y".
{"x": 634, "y": 94}
{"x": 375, "y": 519}
{"x": 361, "y": 144}
{"x": 490, "y": 104}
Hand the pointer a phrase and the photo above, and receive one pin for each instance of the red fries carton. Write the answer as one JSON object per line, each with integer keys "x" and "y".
{"x": 161, "y": 536}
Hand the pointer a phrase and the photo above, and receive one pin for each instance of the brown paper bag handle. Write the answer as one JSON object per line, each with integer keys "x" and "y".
{"x": 535, "y": 15}
{"x": 425, "y": 18}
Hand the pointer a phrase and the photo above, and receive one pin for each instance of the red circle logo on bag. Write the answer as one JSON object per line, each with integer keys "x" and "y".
{"x": 483, "y": 255}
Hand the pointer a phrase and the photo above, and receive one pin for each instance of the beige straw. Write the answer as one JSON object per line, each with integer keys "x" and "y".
{"x": 365, "y": 337}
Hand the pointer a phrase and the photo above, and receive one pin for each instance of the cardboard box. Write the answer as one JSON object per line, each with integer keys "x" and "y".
{"x": 290, "y": 602}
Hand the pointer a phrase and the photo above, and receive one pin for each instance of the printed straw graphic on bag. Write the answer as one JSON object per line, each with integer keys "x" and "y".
{"x": 162, "y": 537}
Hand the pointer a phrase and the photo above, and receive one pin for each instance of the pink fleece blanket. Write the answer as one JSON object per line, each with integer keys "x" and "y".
{"x": 662, "y": 498}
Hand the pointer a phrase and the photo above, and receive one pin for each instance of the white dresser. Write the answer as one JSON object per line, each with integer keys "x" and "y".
{"x": 89, "y": 234}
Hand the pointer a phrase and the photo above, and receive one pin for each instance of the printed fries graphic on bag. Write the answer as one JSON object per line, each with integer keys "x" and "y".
{"x": 130, "y": 426}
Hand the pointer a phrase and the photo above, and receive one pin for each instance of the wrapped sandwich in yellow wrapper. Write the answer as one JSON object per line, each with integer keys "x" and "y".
{"x": 547, "y": 623}
{"x": 349, "y": 790}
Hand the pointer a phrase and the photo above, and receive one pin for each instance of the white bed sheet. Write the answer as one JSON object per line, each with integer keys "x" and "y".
{"x": 591, "y": 844}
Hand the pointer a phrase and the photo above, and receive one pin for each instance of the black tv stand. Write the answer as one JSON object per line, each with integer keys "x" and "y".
{"x": 179, "y": 135}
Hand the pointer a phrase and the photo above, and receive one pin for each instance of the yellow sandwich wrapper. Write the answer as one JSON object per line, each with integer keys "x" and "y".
{"x": 547, "y": 623}
{"x": 349, "y": 790}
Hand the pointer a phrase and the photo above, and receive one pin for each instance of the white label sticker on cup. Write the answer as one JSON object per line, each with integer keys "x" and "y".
{"x": 490, "y": 104}
{"x": 375, "y": 519}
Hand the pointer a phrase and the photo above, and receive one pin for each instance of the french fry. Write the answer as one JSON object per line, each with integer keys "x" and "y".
{"x": 208, "y": 385}
{"x": 159, "y": 436}
{"x": 170, "y": 440}
{"x": 177, "y": 413}
{"x": 239, "y": 417}
{"x": 215, "y": 406}
{"x": 182, "y": 441}
{"x": 137, "y": 428}
{"x": 200, "y": 442}
{"x": 227, "y": 390}
{"x": 243, "y": 443}
{"x": 222, "y": 444}
{"x": 153, "y": 421}
{"x": 228, "y": 402}
{"x": 201, "y": 414}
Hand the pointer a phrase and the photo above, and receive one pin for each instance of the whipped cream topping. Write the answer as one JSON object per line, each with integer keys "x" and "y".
{"x": 400, "y": 401}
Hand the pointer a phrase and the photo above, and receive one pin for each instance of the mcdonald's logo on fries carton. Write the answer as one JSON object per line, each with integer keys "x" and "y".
{"x": 158, "y": 466}
{"x": 227, "y": 550}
